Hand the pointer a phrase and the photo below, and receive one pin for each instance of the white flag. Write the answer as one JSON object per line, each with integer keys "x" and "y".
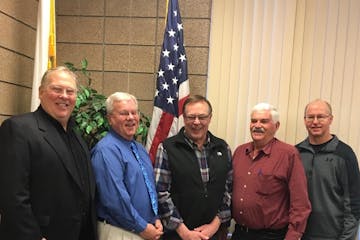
{"x": 45, "y": 46}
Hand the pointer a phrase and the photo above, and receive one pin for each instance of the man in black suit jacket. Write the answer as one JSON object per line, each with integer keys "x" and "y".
{"x": 46, "y": 182}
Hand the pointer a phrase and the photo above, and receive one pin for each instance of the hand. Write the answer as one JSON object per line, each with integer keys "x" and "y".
{"x": 158, "y": 225}
{"x": 211, "y": 228}
{"x": 151, "y": 232}
{"x": 187, "y": 234}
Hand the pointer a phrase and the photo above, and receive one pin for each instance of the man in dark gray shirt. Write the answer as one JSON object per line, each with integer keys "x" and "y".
{"x": 333, "y": 178}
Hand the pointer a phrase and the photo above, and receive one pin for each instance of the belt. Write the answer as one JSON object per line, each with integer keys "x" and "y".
{"x": 103, "y": 220}
{"x": 260, "y": 231}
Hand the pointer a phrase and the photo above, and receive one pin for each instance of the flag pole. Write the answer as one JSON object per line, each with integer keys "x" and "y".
{"x": 166, "y": 12}
{"x": 52, "y": 37}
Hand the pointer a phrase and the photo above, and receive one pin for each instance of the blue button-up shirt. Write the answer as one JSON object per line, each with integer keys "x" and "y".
{"x": 123, "y": 199}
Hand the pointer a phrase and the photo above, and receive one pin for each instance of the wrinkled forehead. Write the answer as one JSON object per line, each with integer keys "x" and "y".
{"x": 197, "y": 108}
{"x": 261, "y": 114}
{"x": 318, "y": 107}
{"x": 61, "y": 78}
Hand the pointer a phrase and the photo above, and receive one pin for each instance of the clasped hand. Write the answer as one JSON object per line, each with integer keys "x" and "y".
{"x": 153, "y": 232}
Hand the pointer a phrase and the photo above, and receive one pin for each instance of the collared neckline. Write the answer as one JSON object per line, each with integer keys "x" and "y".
{"x": 266, "y": 150}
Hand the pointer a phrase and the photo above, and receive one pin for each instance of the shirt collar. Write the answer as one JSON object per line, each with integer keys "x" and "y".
{"x": 266, "y": 149}
{"x": 56, "y": 123}
{"x": 121, "y": 138}
{"x": 192, "y": 144}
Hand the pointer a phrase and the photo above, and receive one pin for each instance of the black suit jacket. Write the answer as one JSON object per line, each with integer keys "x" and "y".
{"x": 40, "y": 190}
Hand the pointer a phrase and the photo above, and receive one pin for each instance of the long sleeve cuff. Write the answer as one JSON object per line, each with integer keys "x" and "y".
{"x": 292, "y": 235}
{"x": 224, "y": 216}
{"x": 172, "y": 223}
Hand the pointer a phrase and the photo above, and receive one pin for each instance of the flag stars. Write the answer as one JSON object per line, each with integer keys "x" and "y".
{"x": 182, "y": 57}
{"x": 166, "y": 53}
{"x": 179, "y": 26}
{"x": 170, "y": 100}
{"x": 165, "y": 86}
{"x": 161, "y": 73}
{"x": 171, "y": 66}
{"x": 169, "y": 77}
{"x": 171, "y": 33}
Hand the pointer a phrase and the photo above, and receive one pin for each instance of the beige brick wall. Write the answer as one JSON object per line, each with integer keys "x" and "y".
{"x": 17, "y": 44}
{"x": 121, "y": 39}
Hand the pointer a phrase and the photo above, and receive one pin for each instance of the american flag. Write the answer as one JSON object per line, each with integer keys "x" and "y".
{"x": 172, "y": 85}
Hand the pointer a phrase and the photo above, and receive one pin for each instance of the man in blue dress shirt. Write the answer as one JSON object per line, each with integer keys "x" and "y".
{"x": 124, "y": 175}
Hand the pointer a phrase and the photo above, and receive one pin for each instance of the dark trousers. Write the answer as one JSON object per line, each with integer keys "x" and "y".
{"x": 244, "y": 233}
{"x": 219, "y": 235}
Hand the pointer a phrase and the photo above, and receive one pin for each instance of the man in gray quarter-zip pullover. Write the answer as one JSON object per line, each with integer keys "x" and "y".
{"x": 333, "y": 178}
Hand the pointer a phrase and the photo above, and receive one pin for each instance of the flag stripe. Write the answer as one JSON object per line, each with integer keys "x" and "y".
{"x": 184, "y": 91}
{"x": 164, "y": 126}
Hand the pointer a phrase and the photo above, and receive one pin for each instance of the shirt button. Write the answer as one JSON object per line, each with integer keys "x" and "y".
{"x": 241, "y": 212}
{"x": 244, "y": 185}
{"x": 249, "y": 173}
{"x": 241, "y": 199}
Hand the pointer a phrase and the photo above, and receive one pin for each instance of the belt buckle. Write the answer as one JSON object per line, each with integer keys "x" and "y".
{"x": 102, "y": 220}
{"x": 244, "y": 228}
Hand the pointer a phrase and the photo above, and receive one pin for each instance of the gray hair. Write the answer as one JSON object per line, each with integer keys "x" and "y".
{"x": 267, "y": 107}
{"x": 116, "y": 97}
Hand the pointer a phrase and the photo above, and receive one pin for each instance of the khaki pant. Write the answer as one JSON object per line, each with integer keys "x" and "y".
{"x": 109, "y": 232}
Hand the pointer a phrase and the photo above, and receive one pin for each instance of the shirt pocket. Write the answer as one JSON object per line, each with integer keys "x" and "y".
{"x": 269, "y": 184}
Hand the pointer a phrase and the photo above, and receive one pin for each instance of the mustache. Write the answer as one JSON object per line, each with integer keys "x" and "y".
{"x": 258, "y": 130}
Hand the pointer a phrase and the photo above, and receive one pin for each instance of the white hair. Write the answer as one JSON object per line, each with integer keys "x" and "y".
{"x": 267, "y": 107}
{"x": 116, "y": 97}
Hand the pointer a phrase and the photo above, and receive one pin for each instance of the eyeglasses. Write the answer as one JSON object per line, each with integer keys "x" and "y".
{"x": 60, "y": 90}
{"x": 320, "y": 117}
{"x": 128, "y": 113}
{"x": 193, "y": 117}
